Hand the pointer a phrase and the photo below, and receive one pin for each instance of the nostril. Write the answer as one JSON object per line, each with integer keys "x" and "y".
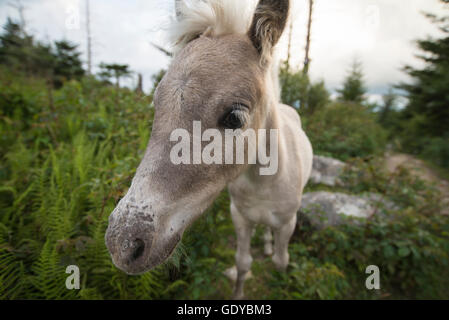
{"x": 139, "y": 247}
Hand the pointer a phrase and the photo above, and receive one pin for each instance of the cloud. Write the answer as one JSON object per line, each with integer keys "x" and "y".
{"x": 122, "y": 31}
{"x": 380, "y": 33}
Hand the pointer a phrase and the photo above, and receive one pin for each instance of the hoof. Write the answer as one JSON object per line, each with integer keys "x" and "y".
{"x": 268, "y": 250}
{"x": 238, "y": 296}
{"x": 231, "y": 274}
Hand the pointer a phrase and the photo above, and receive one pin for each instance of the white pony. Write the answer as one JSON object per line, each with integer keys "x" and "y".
{"x": 222, "y": 76}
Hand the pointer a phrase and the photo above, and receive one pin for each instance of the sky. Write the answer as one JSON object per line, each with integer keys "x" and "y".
{"x": 379, "y": 33}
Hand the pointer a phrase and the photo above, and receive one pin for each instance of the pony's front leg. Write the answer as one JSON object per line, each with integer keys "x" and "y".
{"x": 268, "y": 242}
{"x": 243, "y": 258}
{"x": 282, "y": 237}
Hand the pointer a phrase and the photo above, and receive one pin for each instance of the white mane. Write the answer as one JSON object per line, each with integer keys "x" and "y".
{"x": 216, "y": 17}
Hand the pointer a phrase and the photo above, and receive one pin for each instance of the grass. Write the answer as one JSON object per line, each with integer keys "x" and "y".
{"x": 65, "y": 166}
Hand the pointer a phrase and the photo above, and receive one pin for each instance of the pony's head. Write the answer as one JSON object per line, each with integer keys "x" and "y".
{"x": 221, "y": 76}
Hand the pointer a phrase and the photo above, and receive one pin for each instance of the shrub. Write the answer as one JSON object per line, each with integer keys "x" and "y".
{"x": 408, "y": 243}
{"x": 345, "y": 130}
{"x": 298, "y": 91}
{"x": 437, "y": 150}
{"x": 63, "y": 173}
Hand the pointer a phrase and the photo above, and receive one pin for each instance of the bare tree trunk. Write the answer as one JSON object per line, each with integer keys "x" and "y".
{"x": 89, "y": 39}
{"x": 287, "y": 63}
{"x": 117, "y": 81}
{"x": 117, "y": 89}
{"x": 139, "y": 88}
{"x": 309, "y": 29}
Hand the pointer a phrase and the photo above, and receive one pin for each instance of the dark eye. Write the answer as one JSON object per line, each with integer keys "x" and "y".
{"x": 235, "y": 119}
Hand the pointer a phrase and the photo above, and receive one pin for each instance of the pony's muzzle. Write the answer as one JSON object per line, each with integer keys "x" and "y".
{"x": 130, "y": 246}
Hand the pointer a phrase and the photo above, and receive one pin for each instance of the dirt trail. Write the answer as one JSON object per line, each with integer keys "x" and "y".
{"x": 420, "y": 169}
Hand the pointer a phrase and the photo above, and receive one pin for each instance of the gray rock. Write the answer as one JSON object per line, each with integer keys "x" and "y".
{"x": 379, "y": 201}
{"x": 323, "y": 209}
{"x": 326, "y": 171}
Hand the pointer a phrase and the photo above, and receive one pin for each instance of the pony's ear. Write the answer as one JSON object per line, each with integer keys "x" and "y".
{"x": 268, "y": 24}
{"x": 193, "y": 19}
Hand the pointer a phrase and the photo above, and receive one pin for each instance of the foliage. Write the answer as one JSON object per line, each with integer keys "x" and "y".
{"x": 114, "y": 70}
{"x": 411, "y": 251}
{"x": 426, "y": 116}
{"x": 68, "y": 156}
{"x": 353, "y": 86}
{"x": 299, "y": 92}
{"x": 409, "y": 243}
{"x": 62, "y": 173}
{"x": 388, "y": 112}
{"x": 67, "y": 63}
{"x": 57, "y": 63}
{"x": 345, "y": 130}
{"x": 437, "y": 149}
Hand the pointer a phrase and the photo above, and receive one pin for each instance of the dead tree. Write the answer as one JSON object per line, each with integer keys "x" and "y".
{"x": 309, "y": 29}
{"x": 139, "y": 88}
{"x": 89, "y": 39}
{"x": 287, "y": 62}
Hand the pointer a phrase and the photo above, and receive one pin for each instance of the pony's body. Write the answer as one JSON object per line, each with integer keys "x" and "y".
{"x": 274, "y": 200}
{"x": 221, "y": 72}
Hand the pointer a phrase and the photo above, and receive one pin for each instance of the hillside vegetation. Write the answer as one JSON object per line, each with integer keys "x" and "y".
{"x": 70, "y": 144}
{"x": 64, "y": 169}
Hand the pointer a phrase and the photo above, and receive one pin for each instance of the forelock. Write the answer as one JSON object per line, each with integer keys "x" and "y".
{"x": 210, "y": 17}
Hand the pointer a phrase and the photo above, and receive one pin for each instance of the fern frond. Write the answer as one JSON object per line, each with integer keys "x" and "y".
{"x": 49, "y": 275}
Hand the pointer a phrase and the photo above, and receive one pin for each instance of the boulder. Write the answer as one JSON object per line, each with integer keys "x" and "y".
{"x": 322, "y": 209}
{"x": 326, "y": 171}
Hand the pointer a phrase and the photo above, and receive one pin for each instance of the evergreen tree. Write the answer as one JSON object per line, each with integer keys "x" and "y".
{"x": 294, "y": 86}
{"x": 318, "y": 97}
{"x": 298, "y": 91}
{"x": 116, "y": 71}
{"x": 353, "y": 88}
{"x": 388, "y": 113}
{"x": 15, "y": 46}
{"x": 68, "y": 64}
{"x": 425, "y": 119}
{"x": 20, "y": 51}
{"x": 428, "y": 93}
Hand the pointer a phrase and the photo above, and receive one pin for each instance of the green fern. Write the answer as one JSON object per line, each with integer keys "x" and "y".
{"x": 97, "y": 262}
{"x": 12, "y": 274}
{"x": 49, "y": 277}
{"x": 60, "y": 179}
{"x": 11, "y": 269}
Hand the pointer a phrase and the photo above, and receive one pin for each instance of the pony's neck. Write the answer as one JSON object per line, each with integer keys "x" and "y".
{"x": 274, "y": 78}
{"x": 272, "y": 121}
{"x": 272, "y": 98}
